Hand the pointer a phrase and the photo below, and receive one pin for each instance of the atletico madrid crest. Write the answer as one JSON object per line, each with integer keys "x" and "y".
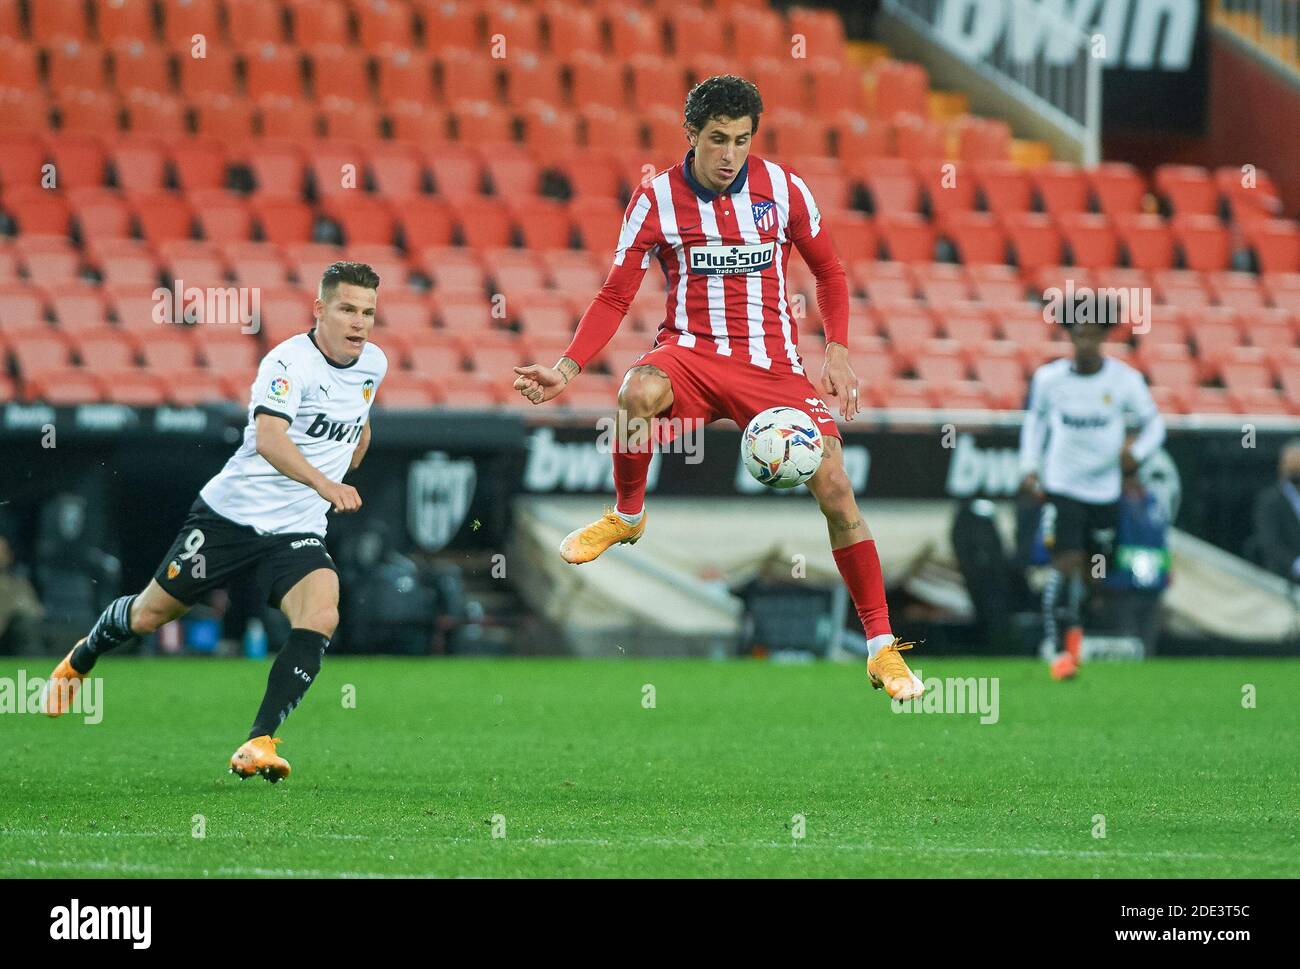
{"x": 764, "y": 216}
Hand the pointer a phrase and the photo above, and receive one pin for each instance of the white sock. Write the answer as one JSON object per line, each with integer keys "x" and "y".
{"x": 630, "y": 519}
{"x": 876, "y": 643}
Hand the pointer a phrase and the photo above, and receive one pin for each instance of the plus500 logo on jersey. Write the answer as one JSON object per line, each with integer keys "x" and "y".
{"x": 322, "y": 426}
{"x": 730, "y": 260}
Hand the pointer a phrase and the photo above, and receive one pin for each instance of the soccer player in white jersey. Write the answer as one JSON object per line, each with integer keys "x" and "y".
{"x": 264, "y": 513}
{"x": 1073, "y": 456}
{"x": 721, "y": 225}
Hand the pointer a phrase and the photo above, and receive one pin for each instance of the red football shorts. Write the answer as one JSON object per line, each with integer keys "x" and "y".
{"x": 710, "y": 386}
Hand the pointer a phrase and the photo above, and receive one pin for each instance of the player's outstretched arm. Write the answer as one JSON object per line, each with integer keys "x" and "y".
{"x": 540, "y": 384}
{"x": 281, "y": 453}
{"x": 362, "y": 445}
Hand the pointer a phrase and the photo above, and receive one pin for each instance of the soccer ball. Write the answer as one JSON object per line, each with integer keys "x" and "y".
{"x": 782, "y": 447}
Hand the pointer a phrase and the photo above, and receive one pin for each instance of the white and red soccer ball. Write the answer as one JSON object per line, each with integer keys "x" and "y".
{"x": 782, "y": 447}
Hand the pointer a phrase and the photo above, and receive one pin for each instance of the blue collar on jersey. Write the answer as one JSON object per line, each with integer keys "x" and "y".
{"x": 707, "y": 194}
{"x": 311, "y": 335}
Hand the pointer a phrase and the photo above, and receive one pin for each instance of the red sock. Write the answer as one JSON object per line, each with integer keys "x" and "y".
{"x": 630, "y": 472}
{"x": 860, "y": 566}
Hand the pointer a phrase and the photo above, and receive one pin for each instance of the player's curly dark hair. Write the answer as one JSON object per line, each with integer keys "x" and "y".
{"x": 722, "y": 96}
{"x": 354, "y": 273}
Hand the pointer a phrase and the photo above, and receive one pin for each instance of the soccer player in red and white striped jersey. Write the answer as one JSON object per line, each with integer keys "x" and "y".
{"x": 721, "y": 225}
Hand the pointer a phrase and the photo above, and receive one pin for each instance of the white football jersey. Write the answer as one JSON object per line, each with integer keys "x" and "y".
{"x": 1076, "y": 424}
{"x": 326, "y": 405}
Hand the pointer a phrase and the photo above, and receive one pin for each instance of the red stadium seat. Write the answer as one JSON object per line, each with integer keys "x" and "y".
{"x": 1236, "y": 289}
{"x": 118, "y": 21}
{"x": 105, "y": 348}
{"x": 940, "y": 361}
{"x": 37, "y": 350}
{"x": 316, "y": 22}
{"x": 225, "y": 350}
{"x": 74, "y": 64}
{"x": 1034, "y": 238}
{"x": 340, "y": 71}
{"x": 1271, "y": 329}
{"x": 1147, "y": 240}
{"x": 456, "y": 172}
{"x": 23, "y": 111}
{"x": 140, "y": 66}
{"x": 498, "y": 354}
{"x": 836, "y": 87}
{"x": 127, "y": 268}
{"x": 983, "y": 139}
{"x": 856, "y": 136}
{"x": 105, "y": 217}
{"x": 949, "y": 186}
{"x": 1204, "y": 241}
{"x": 550, "y": 315}
{"x": 595, "y": 80}
{"x": 53, "y": 20}
{"x": 1277, "y": 245}
{"x": 915, "y": 138}
{"x": 404, "y": 75}
{"x": 21, "y": 307}
{"x": 424, "y": 221}
{"x": 1062, "y": 187}
{"x": 468, "y": 76}
{"x": 396, "y": 170}
{"x": 273, "y": 70}
{"x": 51, "y": 267}
{"x": 435, "y": 354}
{"x": 1118, "y": 187}
{"x": 1245, "y": 368}
{"x": 484, "y": 223}
{"x": 138, "y": 165}
{"x": 80, "y": 308}
{"x": 518, "y": 25}
{"x": 287, "y": 117}
{"x": 454, "y": 270}
{"x": 1091, "y": 239}
{"x": 65, "y": 386}
{"x": 210, "y": 75}
{"x": 383, "y": 25}
{"x": 542, "y": 222}
{"x": 182, "y": 19}
{"x": 995, "y": 282}
{"x": 1005, "y": 186}
{"x": 1263, "y": 401}
{"x": 907, "y": 237}
{"x": 464, "y": 313}
{"x": 941, "y": 283}
{"x": 513, "y": 178}
{"x": 598, "y": 222}
{"x": 1188, "y": 189}
{"x": 278, "y": 170}
{"x": 976, "y": 236}
{"x": 900, "y": 86}
{"x": 21, "y": 158}
{"x": 365, "y": 220}
{"x": 222, "y": 216}
{"x": 472, "y": 391}
{"x": 574, "y": 30}
{"x": 79, "y": 161}
{"x": 163, "y": 217}
{"x": 284, "y": 220}
{"x": 223, "y": 118}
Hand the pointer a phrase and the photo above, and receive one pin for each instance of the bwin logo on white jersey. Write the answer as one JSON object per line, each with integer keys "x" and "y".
{"x": 342, "y": 431}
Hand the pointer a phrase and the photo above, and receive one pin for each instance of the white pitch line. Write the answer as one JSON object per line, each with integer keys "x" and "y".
{"x": 696, "y": 844}
{"x": 113, "y": 866}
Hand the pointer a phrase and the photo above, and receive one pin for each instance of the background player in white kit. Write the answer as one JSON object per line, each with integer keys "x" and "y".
{"x": 264, "y": 512}
{"x": 1073, "y": 455}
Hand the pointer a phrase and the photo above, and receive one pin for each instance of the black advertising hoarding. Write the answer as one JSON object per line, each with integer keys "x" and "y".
{"x": 447, "y": 481}
{"x": 1157, "y": 65}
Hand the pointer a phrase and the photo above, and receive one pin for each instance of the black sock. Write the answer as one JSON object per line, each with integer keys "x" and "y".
{"x": 292, "y": 673}
{"x": 111, "y": 629}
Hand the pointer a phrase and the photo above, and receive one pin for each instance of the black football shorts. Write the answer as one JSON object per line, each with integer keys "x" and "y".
{"x": 211, "y": 550}
{"x": 1070, "y": 525}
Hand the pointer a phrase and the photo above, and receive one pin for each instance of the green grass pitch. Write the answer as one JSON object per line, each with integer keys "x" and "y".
{"x": 583, "y": 779}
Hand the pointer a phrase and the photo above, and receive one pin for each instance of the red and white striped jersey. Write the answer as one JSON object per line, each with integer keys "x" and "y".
{"x": 724, "y": 257}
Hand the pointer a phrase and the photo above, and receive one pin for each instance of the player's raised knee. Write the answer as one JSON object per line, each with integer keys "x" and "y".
{"x": 642, "y": 393}
{"x": 322, "y": 619}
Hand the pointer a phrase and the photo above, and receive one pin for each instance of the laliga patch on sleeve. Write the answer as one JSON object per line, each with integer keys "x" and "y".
{"x": 278, "y": 390}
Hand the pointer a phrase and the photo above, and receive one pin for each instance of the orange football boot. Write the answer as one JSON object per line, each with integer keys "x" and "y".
{"x": 1065, "y": 667}
{"x": 62, "y": 686}
{"x": 258, "y": 756}
{"x": 889, "y": 672}
{"x": 1074, "y": 643}
{"x": 586, "y": 543}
